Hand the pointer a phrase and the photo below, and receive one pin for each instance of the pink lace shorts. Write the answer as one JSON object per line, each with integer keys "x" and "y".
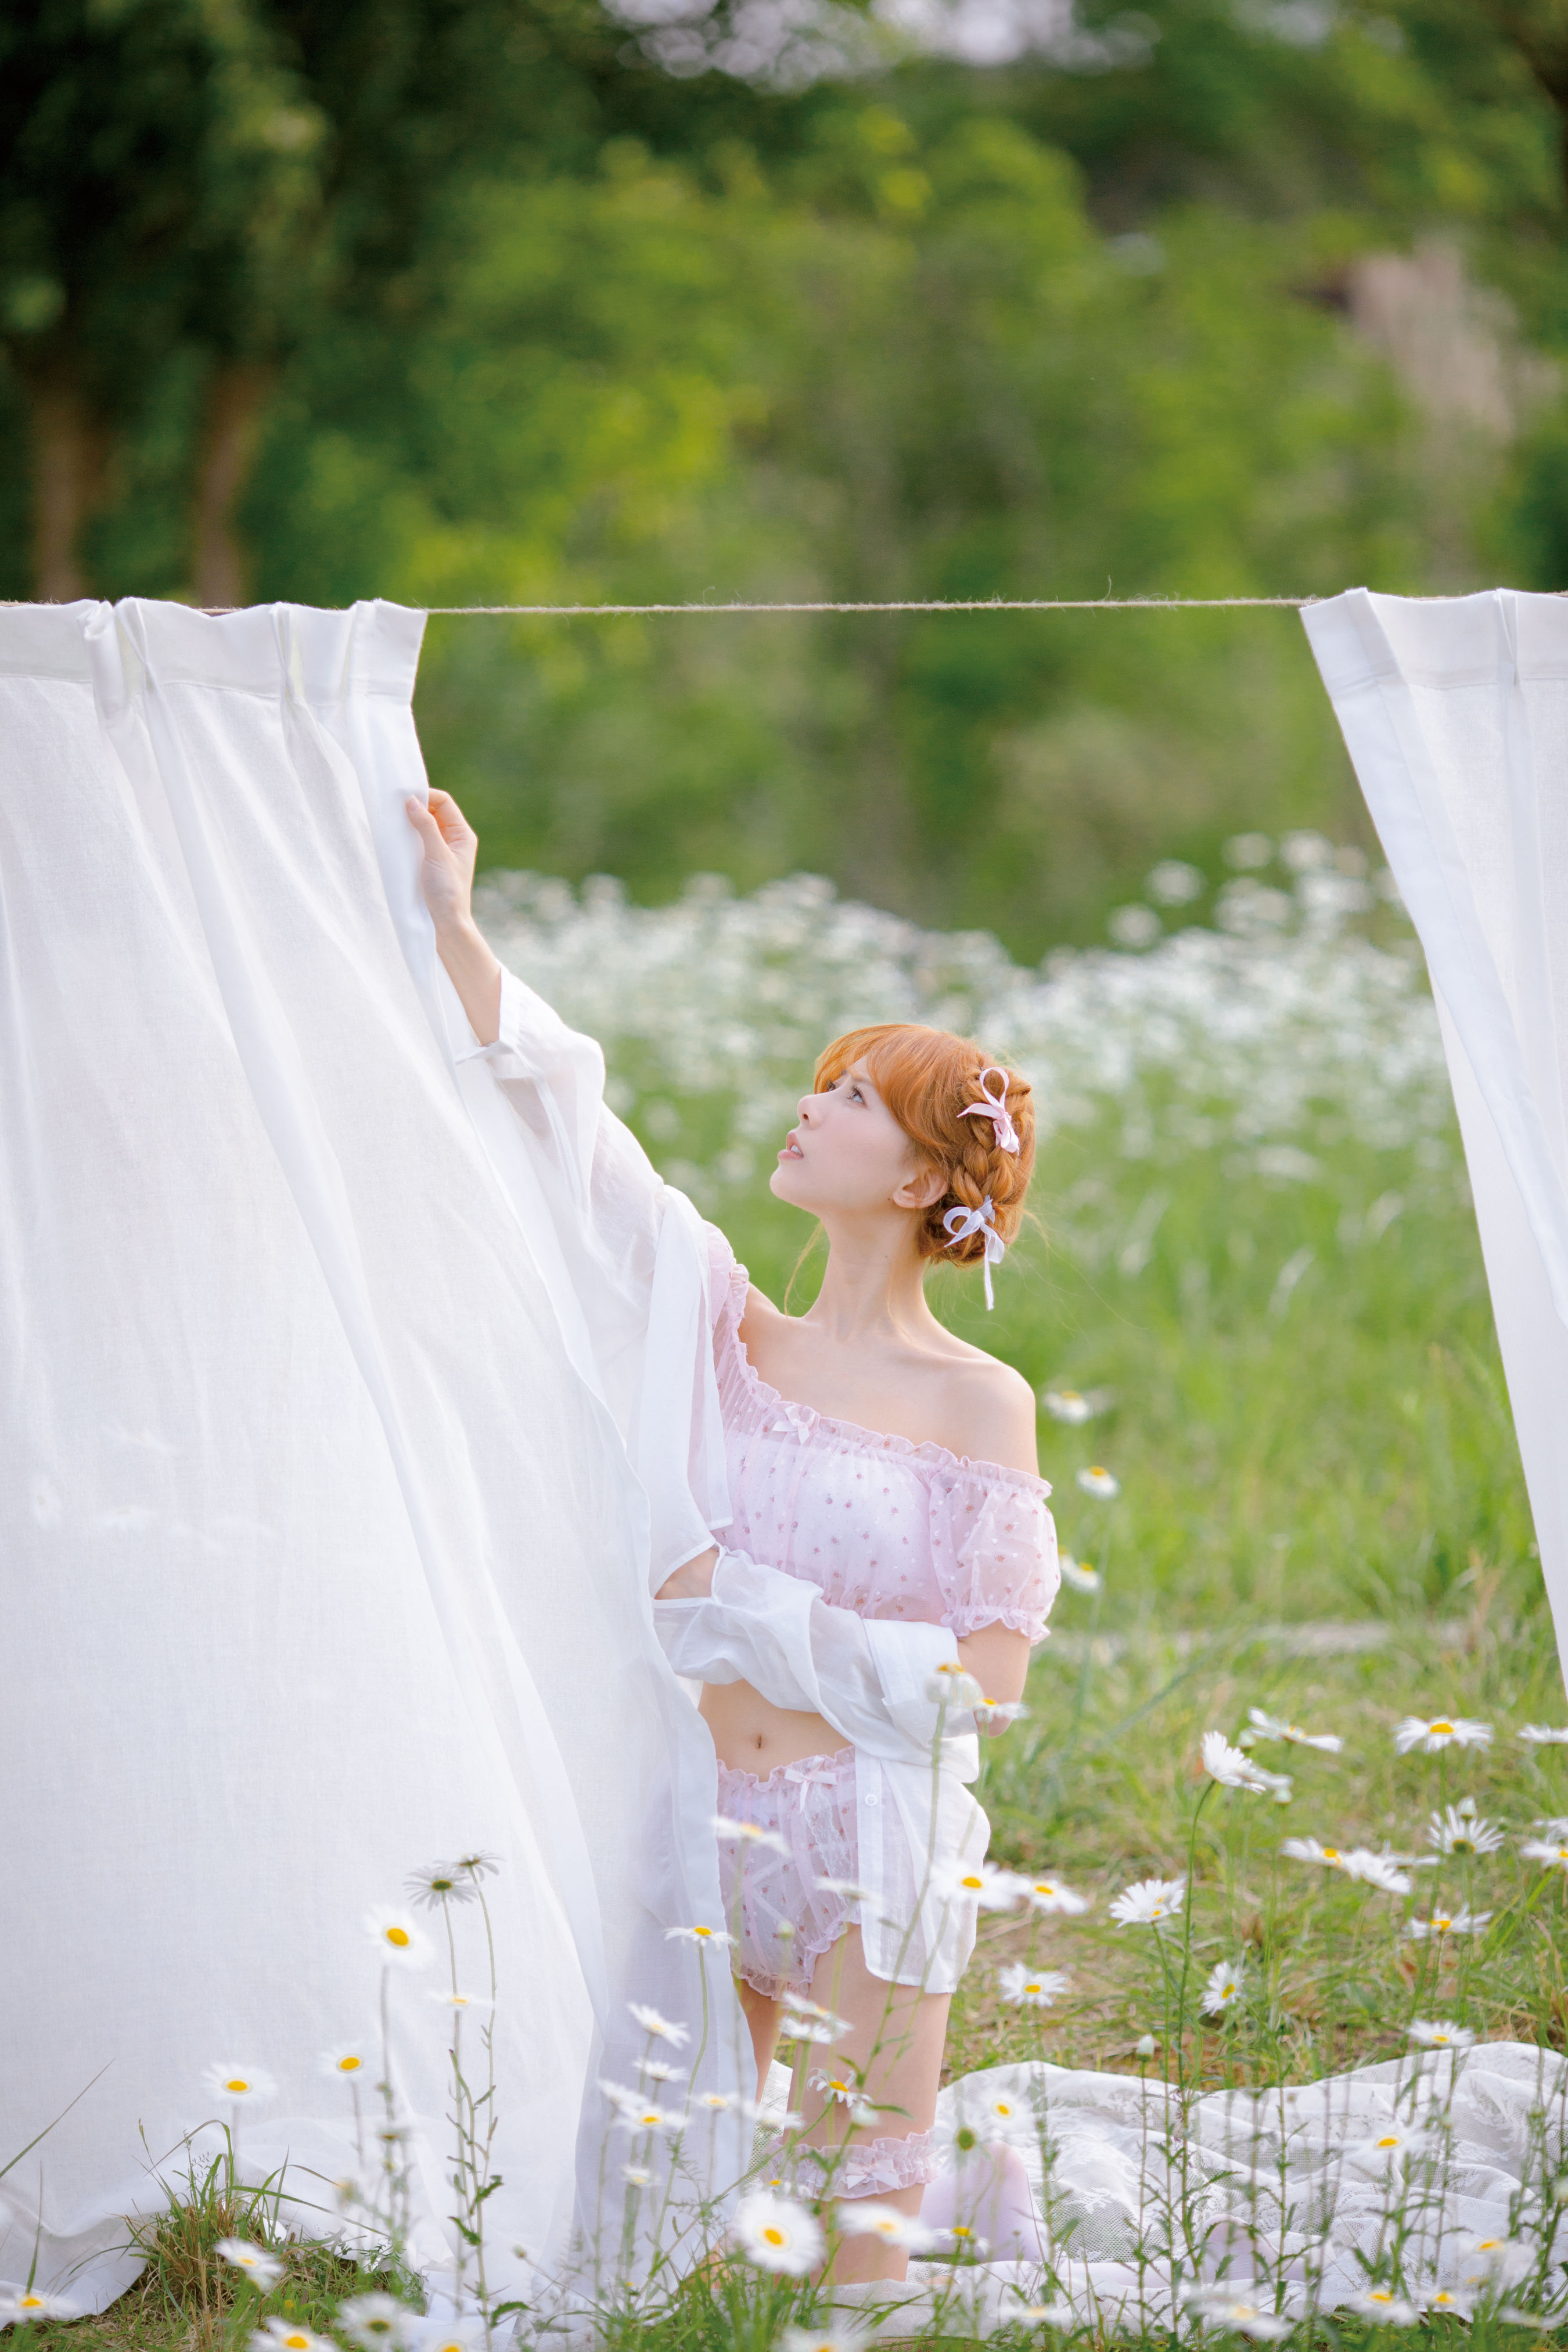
{"x": 773, "y": 1902}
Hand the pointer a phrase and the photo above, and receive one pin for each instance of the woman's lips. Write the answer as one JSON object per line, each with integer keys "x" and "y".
{"x": 792, "y": 1149}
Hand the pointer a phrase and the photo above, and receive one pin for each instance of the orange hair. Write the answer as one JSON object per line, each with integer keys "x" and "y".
{"x": 928, "y": 1078}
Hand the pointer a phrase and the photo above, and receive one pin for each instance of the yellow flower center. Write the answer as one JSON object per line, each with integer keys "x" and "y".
{"x": 30, "y": 2303}
{"x": 1095, "y": 1471}
{"x": 297, "y": 2343}
{"x": 1330, "y": 1853}
{"x": 398, "y": 1935}
{"x": 349, "y": 2065}
{"x": 1002, "y": 2108}
{"x": 702, "y": 1931}
{"x": 970, "y": 1880}
{"x": 961, "y": 2230}
{"x": 1441, "y": 1727}
{"x": 773, "y": 2237}
{"x": 236, "y": 2082}
{"x": 1391, "y": 2140}
{"x": 1379, "y": 2294}
{"x": 1442, "y": 1920}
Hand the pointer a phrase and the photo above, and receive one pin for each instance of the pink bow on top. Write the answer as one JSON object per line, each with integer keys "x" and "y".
{"x": 995, "y": 1108}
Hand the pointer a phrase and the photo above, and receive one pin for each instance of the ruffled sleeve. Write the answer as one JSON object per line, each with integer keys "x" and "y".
{"x": 993, "y": 1548}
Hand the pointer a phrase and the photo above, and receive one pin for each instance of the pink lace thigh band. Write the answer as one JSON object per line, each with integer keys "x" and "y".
{"x": 871, "y": 2167}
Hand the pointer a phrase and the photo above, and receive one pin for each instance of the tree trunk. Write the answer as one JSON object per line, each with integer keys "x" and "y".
{"x": 70, "y": 446}
{"x": 236, "y": 399}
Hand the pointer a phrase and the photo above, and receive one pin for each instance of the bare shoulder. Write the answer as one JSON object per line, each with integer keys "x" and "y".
{"x": 988, "y": 1410}
{"x": 760, "y": 1314}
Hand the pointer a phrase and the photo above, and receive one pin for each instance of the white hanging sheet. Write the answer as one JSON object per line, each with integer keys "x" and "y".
{"x": 322, "y": 1553}
{"x": 1454, "y": 711}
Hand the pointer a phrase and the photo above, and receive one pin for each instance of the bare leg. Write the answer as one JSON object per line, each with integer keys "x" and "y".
{"x": 764, "y": 2017}
{"x": 894, "y": 2043}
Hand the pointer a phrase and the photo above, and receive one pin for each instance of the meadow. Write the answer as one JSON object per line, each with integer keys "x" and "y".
{"x": 1253, "y": 1295}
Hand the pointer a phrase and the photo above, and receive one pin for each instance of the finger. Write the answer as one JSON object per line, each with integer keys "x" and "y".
{"x": 424, "y": 825}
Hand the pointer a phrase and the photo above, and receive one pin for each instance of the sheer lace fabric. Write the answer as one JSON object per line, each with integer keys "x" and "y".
{"x": 879, "y": 1525}
{"x": 775, "y": 1906}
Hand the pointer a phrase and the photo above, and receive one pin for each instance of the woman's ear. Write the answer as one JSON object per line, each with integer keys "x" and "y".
{"x": 923, "y": 1189}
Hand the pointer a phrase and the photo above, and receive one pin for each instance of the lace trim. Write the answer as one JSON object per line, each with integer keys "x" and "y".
{"x": 969, "y": 1620}
{"x": 851, "y": 1434}
{"x": 871, "y": 2167}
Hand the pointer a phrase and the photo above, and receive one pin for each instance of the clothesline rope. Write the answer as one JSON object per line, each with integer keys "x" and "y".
{"x": 903, "y": 604}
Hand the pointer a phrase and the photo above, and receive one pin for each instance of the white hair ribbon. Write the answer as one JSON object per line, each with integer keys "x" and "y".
{"x": 994, "y": 1108}
{"x": 961, "y": 1223}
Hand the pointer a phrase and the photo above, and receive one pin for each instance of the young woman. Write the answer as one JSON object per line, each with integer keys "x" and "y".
{"x": 886, "y": 1527}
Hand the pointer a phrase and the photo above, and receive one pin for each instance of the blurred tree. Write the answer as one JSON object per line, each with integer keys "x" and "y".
{"x": 177, "y": 175}
{"x": 157, "y": 170}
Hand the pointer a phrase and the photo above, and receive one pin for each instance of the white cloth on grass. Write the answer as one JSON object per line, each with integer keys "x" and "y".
{"x": 1454, "y": 711}
{"x": 321, "y": 1555}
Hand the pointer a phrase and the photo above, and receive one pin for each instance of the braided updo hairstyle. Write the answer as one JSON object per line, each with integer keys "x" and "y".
{"x": 928, "y": 1078}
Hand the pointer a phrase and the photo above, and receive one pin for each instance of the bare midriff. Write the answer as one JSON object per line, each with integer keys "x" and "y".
{"x": 752, "y": 1735}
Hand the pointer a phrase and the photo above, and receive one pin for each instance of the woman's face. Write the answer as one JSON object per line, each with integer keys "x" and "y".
{"x": 848, "y": 1155}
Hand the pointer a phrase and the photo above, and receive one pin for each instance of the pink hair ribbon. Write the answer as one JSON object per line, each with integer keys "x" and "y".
{"x": 994, "y": 1108}
{"x": 961, "y": 1223}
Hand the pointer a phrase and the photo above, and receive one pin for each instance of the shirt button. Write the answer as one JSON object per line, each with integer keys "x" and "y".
{"x": 870, "y": 1797}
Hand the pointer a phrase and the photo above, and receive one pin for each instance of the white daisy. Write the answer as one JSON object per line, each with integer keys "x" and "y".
{"x": 705, "y": 1939}
{"x": 1381, "y": 2303}
{"x": 1067, "y": 1405}
{"x": 461, "y": 2002}
{"x": 376, "y": 2319}
{"x": 846, "y": 1888}
{"x": 398, "y": 1937}
{"x": 455, "y": 2335}
{"x": 347, "y": 2062}
{"x": 864, "y": 2219}
{"x": 1002, "y": 1710}
{"x": 439, "y": 1882}
{"x": 748, "y": 1833}
{"x": 1046, "y": 1893}
{"x": 1440, "y": 2033}
{"x": 980, "y": 1882}
{"x": 476, "y": 1863}
{"x": 1552, "y": 1855}
{"x": 1381, "y": 2150}
{"x": 995, "y": 2116}
{"x": 838, "y": 2336}
{"x": 1450, "y": 2298}
{"x": 647, "y": 2116}
{"x": 636, "y": 2176}
{"x": 241, "y": 2086}
{"x": 1544, "y": 1734}
{"x": 1553, "y": 1826}
{"x": 1262, "y": 1726}
{"x": 1076, "y": 1576}
{"x": 820, "y": 2031}
{"x": 1458, "y": 1829}
{"x": 1227, "y": 2306}
{"x": 1233, "y": 1768}
{"x": 840, "y": 2089}
{"x": 1148, "y": 1901}
{"x": 1307, "y": 1849}
{"x": 293, "y": 2335}
{"x": 718, "y": 2103}
{"x": 1223, "y": 1989}
{"x": 661, "y": 2028}
{"x": 1482, "y": 2261}
{"x": 952, "y": 1686}
{"x": 1447, "y": 1923}
{"x": 657, "y": 2070}
{"x": 1379, "y": 1870}
{"x": 263, "y": 2270}
{"x": 1098, "y": 1481}
{"x": 1030, "y": 1988}
{"x": 21, "y": 2306}
{"x": 1430, "y": 1734}
{"x": 1145, "y": 2046}
{"x": 777, "y": 2233}
{"x": 1060, "y": 2313}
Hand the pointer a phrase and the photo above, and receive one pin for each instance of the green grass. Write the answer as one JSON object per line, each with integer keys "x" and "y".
{"x": 1335, "y": 1451}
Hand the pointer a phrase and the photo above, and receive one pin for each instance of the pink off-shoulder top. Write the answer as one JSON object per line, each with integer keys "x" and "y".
{"x": 879, "y": 1524}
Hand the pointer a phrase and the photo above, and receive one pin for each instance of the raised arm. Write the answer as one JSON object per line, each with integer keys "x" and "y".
{"x": 446, "y": 877}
